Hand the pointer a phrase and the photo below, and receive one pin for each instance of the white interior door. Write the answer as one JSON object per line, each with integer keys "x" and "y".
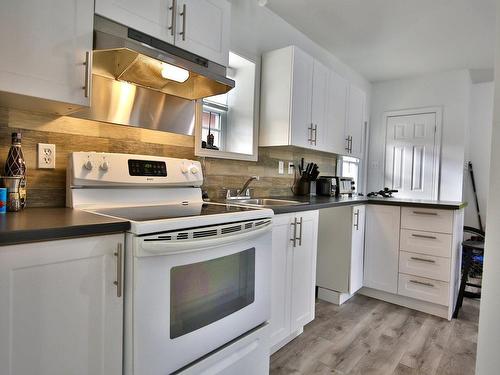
{"x": 411, "y": 157}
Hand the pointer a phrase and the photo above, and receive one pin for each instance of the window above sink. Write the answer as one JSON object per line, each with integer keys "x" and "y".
{"x": 230, "y": 119}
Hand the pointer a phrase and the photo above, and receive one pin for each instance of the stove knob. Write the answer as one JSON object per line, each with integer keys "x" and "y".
{"x": 104, "y": 166}
{"x": 184, "y": 169}
{"x": 194, "y": 170}
{"x": 88, "y": 165}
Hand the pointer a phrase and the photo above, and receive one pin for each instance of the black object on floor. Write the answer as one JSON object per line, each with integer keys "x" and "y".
{"x": 472, "y": 259}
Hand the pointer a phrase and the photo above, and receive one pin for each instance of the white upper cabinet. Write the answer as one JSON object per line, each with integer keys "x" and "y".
{"x": 338, "y": 89}
{"x": 293, "y": 96}
{"x": 319, "y": 105}
{"x": 45, "y": 46}
{"x": 355, "y": 127}
{"x": 301, "y": 78}
{"x": 203, "y": 27}
{"x": 153, "y": 17}
{"x": 305, "y": 104}
{"x": 198, "y": 26}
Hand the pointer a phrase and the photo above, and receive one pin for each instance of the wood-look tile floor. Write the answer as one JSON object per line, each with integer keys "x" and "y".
{"x": 366, "y": 336}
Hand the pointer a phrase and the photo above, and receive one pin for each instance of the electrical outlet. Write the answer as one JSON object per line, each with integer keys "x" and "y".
{"x": 46, "y": 156}
{"x": 281, "y": 167}
{"x": 290, "y": 167}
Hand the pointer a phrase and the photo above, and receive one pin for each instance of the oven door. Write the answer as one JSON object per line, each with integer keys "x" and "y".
{"x": 195, "y": 291}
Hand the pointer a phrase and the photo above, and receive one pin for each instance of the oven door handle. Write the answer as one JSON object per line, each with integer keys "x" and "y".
{"x": 151, "y": 248}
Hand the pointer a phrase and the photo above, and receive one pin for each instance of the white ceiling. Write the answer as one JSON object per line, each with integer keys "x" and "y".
{"x": 388, "y": 39}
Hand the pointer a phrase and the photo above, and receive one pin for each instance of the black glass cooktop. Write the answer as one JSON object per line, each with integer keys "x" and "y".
{"x": 170, "y": 211}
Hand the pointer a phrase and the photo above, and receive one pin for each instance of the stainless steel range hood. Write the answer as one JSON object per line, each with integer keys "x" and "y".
{"x": 128, "y": 55}
{"x": 128, "y": 87}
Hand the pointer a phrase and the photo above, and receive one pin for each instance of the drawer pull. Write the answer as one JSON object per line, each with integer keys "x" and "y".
{"x": 425, "y": 213}
{"x": 424, "y": 236}
{"x": 423, "y": 260}
{"x": 422, "y": 283}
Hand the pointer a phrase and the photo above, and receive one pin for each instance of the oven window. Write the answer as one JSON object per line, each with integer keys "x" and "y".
{"x": 202, "y": 293}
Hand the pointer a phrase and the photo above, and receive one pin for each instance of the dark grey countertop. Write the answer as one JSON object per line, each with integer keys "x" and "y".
{"x": 43, "y": 224}
{"x": 318, "y": 202}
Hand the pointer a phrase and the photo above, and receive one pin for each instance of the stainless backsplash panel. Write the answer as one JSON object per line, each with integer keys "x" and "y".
{"x": 122, "y": 103}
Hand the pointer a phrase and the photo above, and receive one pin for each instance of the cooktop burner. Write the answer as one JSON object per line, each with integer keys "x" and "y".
{"x": 171, "y": 211}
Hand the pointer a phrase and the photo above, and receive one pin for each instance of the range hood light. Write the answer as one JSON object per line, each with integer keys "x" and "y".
{"x": 174, "y": 73}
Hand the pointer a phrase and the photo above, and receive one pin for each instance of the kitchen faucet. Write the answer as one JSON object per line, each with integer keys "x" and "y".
{"x": 245, "y": 185}
{"x": 241, "y": 193}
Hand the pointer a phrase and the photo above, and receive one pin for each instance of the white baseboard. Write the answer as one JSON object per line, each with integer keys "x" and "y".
{"x": 285, "y": 341}
{"x": 332, "y": 296}
{"x": 427, "y": 307}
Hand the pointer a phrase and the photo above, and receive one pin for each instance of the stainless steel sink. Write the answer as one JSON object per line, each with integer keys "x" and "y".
{"x": 265, "y": 202}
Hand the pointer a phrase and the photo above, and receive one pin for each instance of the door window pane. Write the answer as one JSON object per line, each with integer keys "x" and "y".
{"x": 202, "y": 293}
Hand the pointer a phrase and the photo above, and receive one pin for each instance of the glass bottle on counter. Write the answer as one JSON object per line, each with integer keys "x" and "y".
{"x": 14, "y": 178}
{"x": 15, "y": 164}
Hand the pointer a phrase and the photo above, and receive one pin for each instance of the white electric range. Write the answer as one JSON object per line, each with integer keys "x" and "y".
{"x": 197, "y": 274}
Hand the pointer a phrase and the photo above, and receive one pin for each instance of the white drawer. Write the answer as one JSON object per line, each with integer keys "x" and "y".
{"x": 437, "y": 244}
{"x": 427, "y": 219}
{"x": 424, "y": 289}
{"x": 425, "y": 266}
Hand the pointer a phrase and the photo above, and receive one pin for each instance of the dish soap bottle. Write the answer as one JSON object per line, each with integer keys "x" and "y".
{"x": 15, "y": 164}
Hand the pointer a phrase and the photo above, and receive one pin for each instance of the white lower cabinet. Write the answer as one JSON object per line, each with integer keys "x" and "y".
{"x": 293, "y": 275}
{"x": 412, "y": 257}
{"x": 61, "y": 312}
{"x": 341, "y": 238}
{"x": 382, "y": 248}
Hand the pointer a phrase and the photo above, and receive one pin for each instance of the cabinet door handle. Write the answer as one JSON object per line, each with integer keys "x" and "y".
{"x": 347, "y": 144}
{"x": 422, "y": 283}
{"x": 350, "y": 144}
{"x": 183, "y": 14}
{"x": 310, "y": 134}
{"x": 300, "y": 232}
{"x": 294, "y": 237}
{"x": 173, "y": 21}
{"x": 423, "y": 260}
{"x": 424, "y": 236}
{"x": 86, "y": 87}
{"x": 315, "y": 133}
{"x": 425, "y": 213}
{"x": 356, "y": 223}
{"x": 119, "y": 267}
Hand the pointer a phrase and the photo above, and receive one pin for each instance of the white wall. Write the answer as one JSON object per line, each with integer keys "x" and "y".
{"x": 488, "y": 359}
{"x": 256, "y": 29}
{"x": 478, "y": 150}
{"x": 449, "y": 90}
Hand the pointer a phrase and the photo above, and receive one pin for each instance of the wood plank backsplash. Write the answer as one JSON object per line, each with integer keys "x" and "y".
{"x": 47, "y": 187}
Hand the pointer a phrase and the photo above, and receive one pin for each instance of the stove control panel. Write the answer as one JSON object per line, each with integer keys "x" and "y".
{"x": 99, "y": 168}
{"x": 147, "y": 168}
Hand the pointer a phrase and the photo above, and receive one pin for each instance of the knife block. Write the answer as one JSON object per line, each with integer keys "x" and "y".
{"x": 302, "y": 187}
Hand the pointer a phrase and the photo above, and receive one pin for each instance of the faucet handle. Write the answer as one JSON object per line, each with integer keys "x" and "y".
{"x": 230, "y": 193}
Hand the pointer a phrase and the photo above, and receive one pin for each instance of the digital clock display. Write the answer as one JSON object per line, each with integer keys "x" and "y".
{"x": 147, "y": 168}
